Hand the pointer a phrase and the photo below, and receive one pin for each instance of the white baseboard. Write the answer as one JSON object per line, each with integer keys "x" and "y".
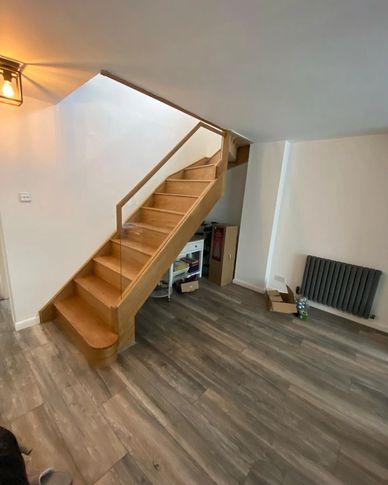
{"x": 362, "y": 321}
{"x": 348, "y": 316}
{"x": 28, "y": 322}
{"x": 244, "y": 284}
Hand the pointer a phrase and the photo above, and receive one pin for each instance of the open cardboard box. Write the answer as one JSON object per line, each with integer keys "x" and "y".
{"x": 280, "y": 301}
{"x": 189, "y": 286}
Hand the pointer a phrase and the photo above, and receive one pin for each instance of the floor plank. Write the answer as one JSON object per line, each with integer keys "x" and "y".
{"x": 158, "y": 455}
{"x": 38, "y": 431}
{"x": 216, "y": 390}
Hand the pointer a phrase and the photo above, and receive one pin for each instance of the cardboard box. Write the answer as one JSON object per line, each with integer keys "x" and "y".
{"x": 274, "y": 295}
{"x": 189, "y": 286}
{"x": 281, "y": 302}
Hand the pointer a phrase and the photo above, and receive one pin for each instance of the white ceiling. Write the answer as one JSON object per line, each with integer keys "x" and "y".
{"x": 269, "y": 69}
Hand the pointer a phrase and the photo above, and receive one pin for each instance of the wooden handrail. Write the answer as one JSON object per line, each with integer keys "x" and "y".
{"x": 144, "y": 180}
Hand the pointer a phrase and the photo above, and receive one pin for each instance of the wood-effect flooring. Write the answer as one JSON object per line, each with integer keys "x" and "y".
{"x": 216, "y": 390}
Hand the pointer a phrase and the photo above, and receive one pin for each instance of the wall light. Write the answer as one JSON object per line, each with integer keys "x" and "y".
{"x": 10, "y": 82}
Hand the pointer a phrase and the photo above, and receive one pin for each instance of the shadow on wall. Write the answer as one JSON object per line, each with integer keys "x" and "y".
{"x": 229, "y": 208}
{"x": 297, "y": 269}
{"x": 4, "y": 286}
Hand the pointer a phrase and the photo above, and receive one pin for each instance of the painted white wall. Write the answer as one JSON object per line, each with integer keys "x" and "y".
{"x": 335, "y": 206}
{"x": 4, "y": 291}
{"x": 78, "y": 159}
{"x": 264, "y": 168}
{"x": 229, "y": 208}
{"x": 202, "y": 143}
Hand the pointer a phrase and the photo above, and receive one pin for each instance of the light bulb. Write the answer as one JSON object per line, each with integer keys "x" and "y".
{"x": 7, "y": 89}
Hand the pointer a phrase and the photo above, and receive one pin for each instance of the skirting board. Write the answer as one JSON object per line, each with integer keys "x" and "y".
{"x": 244, "y": 284}
{"x": 367, "y": 323}
{"x": 28, "y": 322}
{"x": 348, "y": 316}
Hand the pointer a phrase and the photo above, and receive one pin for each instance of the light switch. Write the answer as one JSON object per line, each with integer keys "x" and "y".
{"x": 25, "y": 197}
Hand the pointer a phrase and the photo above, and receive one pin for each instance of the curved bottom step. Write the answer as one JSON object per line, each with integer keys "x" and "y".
{"x": 88, "y": 332}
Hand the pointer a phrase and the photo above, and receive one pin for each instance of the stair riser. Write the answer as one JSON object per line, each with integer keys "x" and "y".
{"x": 178, "y": 175}
{"x": 110, "y": 276}
{"x": 216, "y": 158}
{"x": 160, "y": 219}
{"x": 129, "y": 255}
{"x": 180, "y": 204}
{"x": 149, "y": 238}
{"x": 205, "y": 173}
{"x": 200, "y": 163}
{"x": 95, "y": 357}
{"x": 186, "y": 188}
{"x": 103, "y": 311}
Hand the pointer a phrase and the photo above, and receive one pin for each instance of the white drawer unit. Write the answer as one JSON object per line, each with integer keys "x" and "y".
{"x": 193, "y": 249}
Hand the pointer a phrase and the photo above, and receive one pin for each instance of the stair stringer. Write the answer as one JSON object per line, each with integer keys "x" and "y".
{"x": 142, "y": 287}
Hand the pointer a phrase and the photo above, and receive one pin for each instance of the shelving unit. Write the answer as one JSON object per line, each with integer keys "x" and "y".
{"x": 194, "y": 249}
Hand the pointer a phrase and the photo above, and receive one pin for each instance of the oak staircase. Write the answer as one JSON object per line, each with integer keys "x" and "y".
{"x": 97, "y": 306}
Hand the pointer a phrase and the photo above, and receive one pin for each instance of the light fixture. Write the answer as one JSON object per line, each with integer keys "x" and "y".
{"x": 10, "y": 82}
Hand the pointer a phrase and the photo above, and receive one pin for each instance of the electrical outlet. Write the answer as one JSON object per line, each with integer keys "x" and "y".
{"x": 25, "y": 197}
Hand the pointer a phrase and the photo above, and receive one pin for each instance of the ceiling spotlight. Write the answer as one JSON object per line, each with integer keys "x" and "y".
{"x": 10, "y": 82}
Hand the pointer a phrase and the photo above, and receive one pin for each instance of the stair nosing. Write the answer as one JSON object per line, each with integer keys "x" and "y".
{"x": 128, "y": 244}
{"x": 177, "y": 195}
{"x": 201, "y": 166}
{"x": 150, "y": 227}
{"x": 97, "y": 259}
{"x": 189, "y": 180}
{"x": 168, "y": 211}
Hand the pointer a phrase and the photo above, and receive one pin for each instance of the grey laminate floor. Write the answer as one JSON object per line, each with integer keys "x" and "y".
{"x": 217, "y": 390}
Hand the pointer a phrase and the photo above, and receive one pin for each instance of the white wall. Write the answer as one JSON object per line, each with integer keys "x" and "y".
{"x": 4, "y": 291}
{"x": 264, "y": 168}
{"x": 335, "y": 206}
{"x": 229, "y": 208}
{"x": 78, "y": 159}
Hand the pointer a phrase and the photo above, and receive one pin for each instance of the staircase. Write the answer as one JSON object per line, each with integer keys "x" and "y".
{"x": 97, "y": 306}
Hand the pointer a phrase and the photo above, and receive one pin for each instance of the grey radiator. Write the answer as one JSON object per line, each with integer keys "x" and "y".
{"x": 340, "y": 285}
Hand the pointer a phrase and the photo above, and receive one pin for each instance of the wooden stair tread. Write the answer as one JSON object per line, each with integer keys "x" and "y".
{"x": 150, "y": 227}
{"x": 201, "y": 166}
{"x": 167, "y": 211}
{"x": 128, "y": 271}
{"x": 101, "y": 289}
{"x": 86, "y": 322}
{"x": 136, "y": 246}
{"x": 189, "y": 180}
{"x": 176, "y": 195}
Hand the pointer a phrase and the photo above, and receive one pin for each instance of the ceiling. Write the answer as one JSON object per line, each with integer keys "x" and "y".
{"x": 269, "y": 69}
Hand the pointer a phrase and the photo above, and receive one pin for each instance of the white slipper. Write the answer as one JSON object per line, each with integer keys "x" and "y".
{"x": 52, "y": 477}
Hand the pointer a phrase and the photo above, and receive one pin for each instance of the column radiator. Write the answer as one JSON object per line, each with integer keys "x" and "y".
{"x": 343, "y": 286}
